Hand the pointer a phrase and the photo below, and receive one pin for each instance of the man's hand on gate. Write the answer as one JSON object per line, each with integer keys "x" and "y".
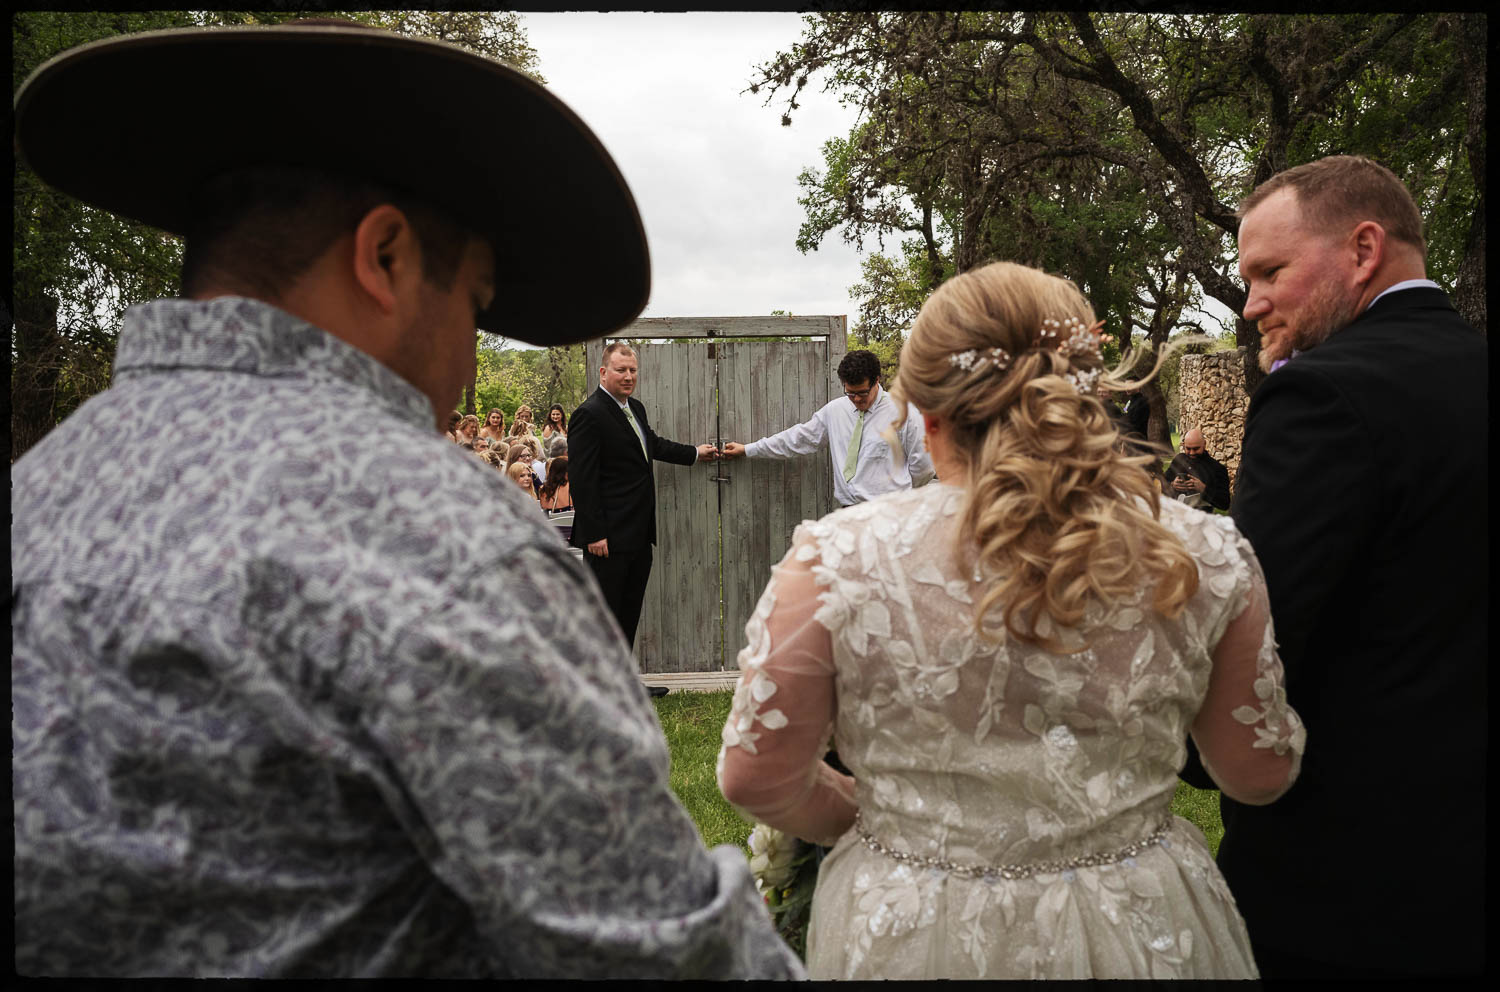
{"x": 733, "y": 449}
{"x": 707, "y": 453}
{"x": 600, "y": 548}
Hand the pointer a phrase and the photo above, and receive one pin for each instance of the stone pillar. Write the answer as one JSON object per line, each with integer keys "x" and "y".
{"x": 1212, "y": 398}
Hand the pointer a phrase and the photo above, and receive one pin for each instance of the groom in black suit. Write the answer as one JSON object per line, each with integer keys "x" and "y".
{"x": 1374, "y": 544}
{"x": 610, "y": 450}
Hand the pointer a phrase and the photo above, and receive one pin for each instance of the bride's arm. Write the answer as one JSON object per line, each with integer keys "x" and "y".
{"x": 771, "y": 767}
{"x": 1249, "y": 738}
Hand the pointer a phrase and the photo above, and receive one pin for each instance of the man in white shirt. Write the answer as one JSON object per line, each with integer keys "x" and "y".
{"x": 864, "y": 465}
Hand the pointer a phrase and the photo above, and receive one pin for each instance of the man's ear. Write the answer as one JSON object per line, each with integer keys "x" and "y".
{"x": 387, "y": 257}
{"x": 1368, "y": 244}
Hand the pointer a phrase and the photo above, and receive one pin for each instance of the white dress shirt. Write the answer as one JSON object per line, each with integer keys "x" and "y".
{"x": 878, "y": 470}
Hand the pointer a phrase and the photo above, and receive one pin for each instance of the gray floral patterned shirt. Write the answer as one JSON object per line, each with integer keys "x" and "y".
{"x": 301, "y": 688}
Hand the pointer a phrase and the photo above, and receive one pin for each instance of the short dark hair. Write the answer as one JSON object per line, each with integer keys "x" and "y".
{"x": 257, "y": 229}
{"x": 1344, "y": 190}
{"x": 859, "y": 366}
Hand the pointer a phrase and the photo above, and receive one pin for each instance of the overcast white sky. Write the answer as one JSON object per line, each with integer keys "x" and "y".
{"x": 713, "y": 171}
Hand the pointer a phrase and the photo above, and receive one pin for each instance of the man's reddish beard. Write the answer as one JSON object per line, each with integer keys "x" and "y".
{"x": 1326, "y": 311}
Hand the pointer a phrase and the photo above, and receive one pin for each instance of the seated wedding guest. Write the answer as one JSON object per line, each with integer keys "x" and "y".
{"x": 452, "y": 429}
{"x": 494, "y": 459}
{"x": 521, "y": 425}
{"x": 264, "y": 723}
{"x": 494, "y": 425}
{"x": 1197, "y": 478}
{"x": 557, "y": 423}
{"x": 520, "y": 474}
{"x": 555, "y": 495}
{"x": 1011, "y": 661}
{"x": 501, "y": 448}
{"x": 557, "y": 446}
{"x": 518, "y": 452}
{"x": 468, "y": 428}
{"x": 538, "y": 464}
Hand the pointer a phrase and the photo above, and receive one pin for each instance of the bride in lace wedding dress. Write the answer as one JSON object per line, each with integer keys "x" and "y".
{"x": 1010, "y": 661}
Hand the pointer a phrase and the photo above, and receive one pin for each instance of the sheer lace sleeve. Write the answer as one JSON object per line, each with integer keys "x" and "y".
{"x": 1249, "y": 738}
{"x": 770, "y": 767}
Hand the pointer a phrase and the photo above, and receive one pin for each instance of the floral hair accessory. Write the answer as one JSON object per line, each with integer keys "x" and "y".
{"x": 971, "y": 359}
{"x": 1083, "y": 380}
{"x": 1070, "y": 337}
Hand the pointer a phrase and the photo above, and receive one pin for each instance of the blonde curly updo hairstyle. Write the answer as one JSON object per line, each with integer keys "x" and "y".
{"x": 1057, "y": 515}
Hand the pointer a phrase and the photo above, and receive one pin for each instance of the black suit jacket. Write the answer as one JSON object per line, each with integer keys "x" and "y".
{"x": 614, "y": 494}
{"x": 1364, "y": 491}
{"x": 1207, "y": 468}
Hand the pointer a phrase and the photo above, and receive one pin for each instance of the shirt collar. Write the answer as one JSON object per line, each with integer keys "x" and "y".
{"x": 622, "y": 404}
{"x": 236, "y": 334}
{"x": 1406, "y": 284}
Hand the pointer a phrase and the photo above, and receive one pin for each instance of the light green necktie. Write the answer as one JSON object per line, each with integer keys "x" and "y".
{"x": 849, "y": 463}
{"x": 639, "y": 435}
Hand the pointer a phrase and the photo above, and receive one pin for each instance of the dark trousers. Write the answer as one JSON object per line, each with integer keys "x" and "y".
{"x": 622, "y": 578}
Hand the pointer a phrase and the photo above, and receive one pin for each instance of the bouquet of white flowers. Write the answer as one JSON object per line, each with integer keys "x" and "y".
{"x": 786, "y": 873}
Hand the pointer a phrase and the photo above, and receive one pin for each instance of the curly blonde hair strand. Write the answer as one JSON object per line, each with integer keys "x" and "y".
{"x": 1057, "y": 514}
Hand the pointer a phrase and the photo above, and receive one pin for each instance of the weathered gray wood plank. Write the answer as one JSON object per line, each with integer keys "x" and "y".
{"x": 693, "y": 681}
{"x": 651, "y": 383}
{"x": 729, "y": 327}
{"x": 736, "y": 413}
{"x": 764, "y": 387}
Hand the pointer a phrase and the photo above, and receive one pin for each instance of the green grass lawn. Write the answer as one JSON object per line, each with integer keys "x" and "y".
{"x": 692, "y": 721}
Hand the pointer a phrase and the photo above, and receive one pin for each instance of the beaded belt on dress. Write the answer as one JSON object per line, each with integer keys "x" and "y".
{"x": 1016, "y": 870}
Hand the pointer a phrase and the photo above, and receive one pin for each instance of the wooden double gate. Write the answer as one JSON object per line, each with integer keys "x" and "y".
{"x": 721, "y": 526}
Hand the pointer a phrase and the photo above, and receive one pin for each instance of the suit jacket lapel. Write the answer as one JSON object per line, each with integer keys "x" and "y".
{"x": 620, "y": 420}
{"x": 639, "y": 413}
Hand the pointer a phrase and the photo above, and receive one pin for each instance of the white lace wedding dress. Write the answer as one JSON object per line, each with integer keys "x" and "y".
{"x": 1012, "y": 804}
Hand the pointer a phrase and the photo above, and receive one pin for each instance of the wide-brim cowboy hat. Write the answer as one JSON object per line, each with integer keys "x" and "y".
{"x": 136, "y": 124}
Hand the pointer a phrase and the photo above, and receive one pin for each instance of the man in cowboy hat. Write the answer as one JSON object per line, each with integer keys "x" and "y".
{"x": 265, "y": 719}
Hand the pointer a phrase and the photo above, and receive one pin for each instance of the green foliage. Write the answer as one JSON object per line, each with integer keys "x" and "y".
{"x": 1111, "y": 148}
{"x": 887, "y": 351}
{"x": 892, "y": 293}
{"x": 791, "y": 907}
{"x": 1200, "y": 807}
{"x": 692, "y": 723}
{"x": 538, "y": 377}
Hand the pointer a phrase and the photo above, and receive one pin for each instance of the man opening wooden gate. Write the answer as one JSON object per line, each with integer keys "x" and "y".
{"x": 721, "y": 527}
